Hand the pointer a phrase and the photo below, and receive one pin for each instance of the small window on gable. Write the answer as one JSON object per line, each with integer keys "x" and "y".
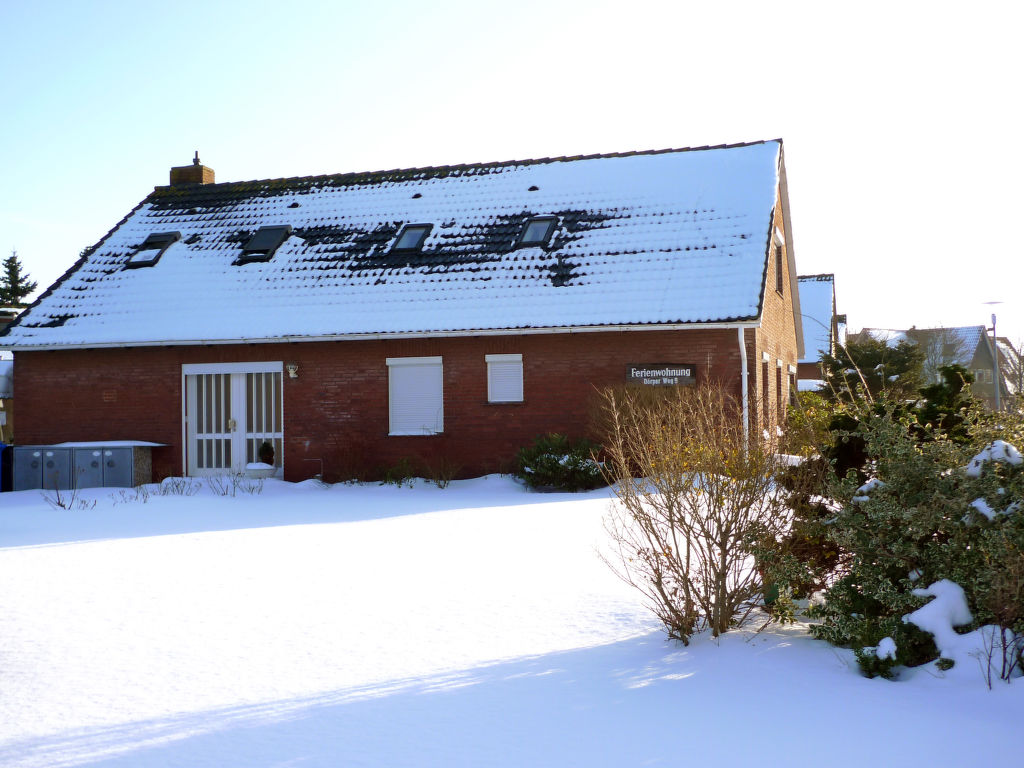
{"x": 411, "y": 237}
{"x": 780, "y": 264}
{"x": 152, "y": 249}
{"x": 263, "y": 244}
{"x": 779, "y": 281}
{"x": 504, "y": 378}
{"x": 536, "y": 232}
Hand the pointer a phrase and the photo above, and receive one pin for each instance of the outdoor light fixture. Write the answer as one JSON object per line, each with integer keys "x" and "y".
{"x": 293, "y": 370}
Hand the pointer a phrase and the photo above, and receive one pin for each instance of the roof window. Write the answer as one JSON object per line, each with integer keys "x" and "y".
{"x": 152, "y": 249}
{"x": 412, "y": 237}
{"x": 537, "y": 231}
{"x": 263, "y": 244}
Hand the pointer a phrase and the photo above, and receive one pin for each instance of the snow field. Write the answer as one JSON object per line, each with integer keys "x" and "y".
{"x": 368, "y": 626}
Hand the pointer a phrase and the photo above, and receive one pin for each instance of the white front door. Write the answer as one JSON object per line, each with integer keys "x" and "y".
{"x": 230, "y": 410}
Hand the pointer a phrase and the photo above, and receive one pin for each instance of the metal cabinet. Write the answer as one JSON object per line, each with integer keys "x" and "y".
{"x": 88, "y": 467}
{"x": 81, "y": 465}
{"x": 104, "y": 467}
{"x": 41, "y": 467}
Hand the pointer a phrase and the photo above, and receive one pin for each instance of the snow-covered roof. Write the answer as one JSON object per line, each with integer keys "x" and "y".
{"x": 817, "y": 308}
{"x": 956, "y": 344}
{"x": 669, "y": 237}
{"x": 964, "y": 340}
{"x": 890, "y": 336}
{"x": 1010, "y": 361}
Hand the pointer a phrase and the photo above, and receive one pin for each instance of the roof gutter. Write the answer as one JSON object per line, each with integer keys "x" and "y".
{"x": 377, "y": 336}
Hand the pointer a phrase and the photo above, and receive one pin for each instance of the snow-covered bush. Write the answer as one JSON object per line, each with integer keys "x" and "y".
{"x": 554, "y": 462}
{"x": 938, "y": 506}
{"x": 694, "y": 504}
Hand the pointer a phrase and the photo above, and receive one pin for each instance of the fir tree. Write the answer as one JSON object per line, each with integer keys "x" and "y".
{"x": 866, "y": 362}
{"x": 14, "y": 284}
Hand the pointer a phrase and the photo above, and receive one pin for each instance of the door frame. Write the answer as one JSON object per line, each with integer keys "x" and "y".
{"x": 194, "y": 369}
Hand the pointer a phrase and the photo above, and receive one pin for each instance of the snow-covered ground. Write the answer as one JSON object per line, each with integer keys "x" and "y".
{"x": 380, "y": 626}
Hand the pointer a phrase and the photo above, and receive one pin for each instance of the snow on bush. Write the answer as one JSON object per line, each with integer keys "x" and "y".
{"x": 936, "y": 503}
{"x": 886, "y": 649}
{"x": 997, "y": 450}
{"x": 938, "y": 618}
{"x": 554, "y": 462}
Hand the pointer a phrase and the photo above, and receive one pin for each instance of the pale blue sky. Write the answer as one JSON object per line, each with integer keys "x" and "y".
{"x": 901, "y": 123}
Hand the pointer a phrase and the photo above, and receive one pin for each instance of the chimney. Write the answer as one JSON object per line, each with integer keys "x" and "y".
{"x": 185, "y": 175}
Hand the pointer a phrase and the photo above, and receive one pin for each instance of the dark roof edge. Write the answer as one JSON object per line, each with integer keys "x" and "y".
{"x": 363, "y": 176}
{"x": 822, "y": 276}
{"x": 72, "y": 269}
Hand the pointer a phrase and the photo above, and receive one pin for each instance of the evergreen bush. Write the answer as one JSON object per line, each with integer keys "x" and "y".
{"x": 908, "y": 492}
{"x": 554, "y": 462}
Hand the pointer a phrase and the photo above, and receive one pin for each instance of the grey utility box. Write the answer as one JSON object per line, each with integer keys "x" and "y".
{"x": 43, "y": 467}
{"x": 108, "y": 467}
{"x": 89, "y": 467}
{"x": 123, "y": 464}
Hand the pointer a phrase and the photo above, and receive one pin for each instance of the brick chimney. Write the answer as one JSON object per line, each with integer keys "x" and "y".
{"x": 184, "y": 175}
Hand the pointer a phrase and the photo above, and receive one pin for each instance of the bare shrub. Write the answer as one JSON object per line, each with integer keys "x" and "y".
{"x": 693, "y": 501}
{"x": 177, "y": 486}
{"x": 230, "y": 484}
{"x": 441, "y": 470}
{"x": 1003, "y": 647}
{"x": 69, "y": 499}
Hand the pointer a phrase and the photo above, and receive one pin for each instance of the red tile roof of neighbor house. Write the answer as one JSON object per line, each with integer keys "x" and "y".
{"x": 639, "y": 239}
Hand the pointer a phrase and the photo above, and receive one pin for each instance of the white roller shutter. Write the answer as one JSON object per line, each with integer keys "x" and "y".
{"x": 416, "y": 396}
{"x": 504, "y": 378}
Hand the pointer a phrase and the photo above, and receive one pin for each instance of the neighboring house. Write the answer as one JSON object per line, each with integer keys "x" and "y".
{"x": 1011, "y": 362}
{"x": 6, "y": 399}
{"x": 447, "y": 314}
{"x": 821, "y": 325}
{"x": 7, "y": 314}
{"x": 968, "y": 346}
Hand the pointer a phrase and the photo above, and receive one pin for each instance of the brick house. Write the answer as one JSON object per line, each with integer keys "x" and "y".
{"x": 821, "y": 324}
{"x": 7, "y": 314}
{"x": 969, "y": 346}
{"x": 450, "y": 313}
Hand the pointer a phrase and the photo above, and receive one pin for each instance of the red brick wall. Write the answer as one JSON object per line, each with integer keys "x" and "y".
{"x": 337, "y": 409}
{"x": 777, "y": 334}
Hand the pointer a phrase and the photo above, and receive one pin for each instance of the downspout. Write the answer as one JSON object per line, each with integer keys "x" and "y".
{"x": 743, "y": 386}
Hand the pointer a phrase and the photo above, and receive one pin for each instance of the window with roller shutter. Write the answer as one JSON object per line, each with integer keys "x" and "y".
{"x": 504, "y": 378}
{"x": 415, "y": 395}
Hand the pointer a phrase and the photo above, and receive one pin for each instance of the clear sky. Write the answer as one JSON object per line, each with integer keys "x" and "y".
{"x": 901, "y": 120}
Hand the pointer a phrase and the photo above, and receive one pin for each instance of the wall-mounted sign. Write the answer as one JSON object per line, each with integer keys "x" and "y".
{"x": 662, "y": 374}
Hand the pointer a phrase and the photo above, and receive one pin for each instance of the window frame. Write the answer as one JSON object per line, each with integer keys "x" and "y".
{"x": 279, "y": 233}
{"x": 426, "y": 228}
{"x": 403, "y": 430}
{"x": 503, "y": 359}
{"x": 778, "y": 243}
{"x": 522, "y": 242}
{"x": 158, "y": 243}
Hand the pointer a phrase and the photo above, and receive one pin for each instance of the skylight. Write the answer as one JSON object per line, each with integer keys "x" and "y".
{"x": 263, "y": 244}
{"x": 152, "y": 249}
{"x": 412, "y": 237}
{"x": 537, "y": 231}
